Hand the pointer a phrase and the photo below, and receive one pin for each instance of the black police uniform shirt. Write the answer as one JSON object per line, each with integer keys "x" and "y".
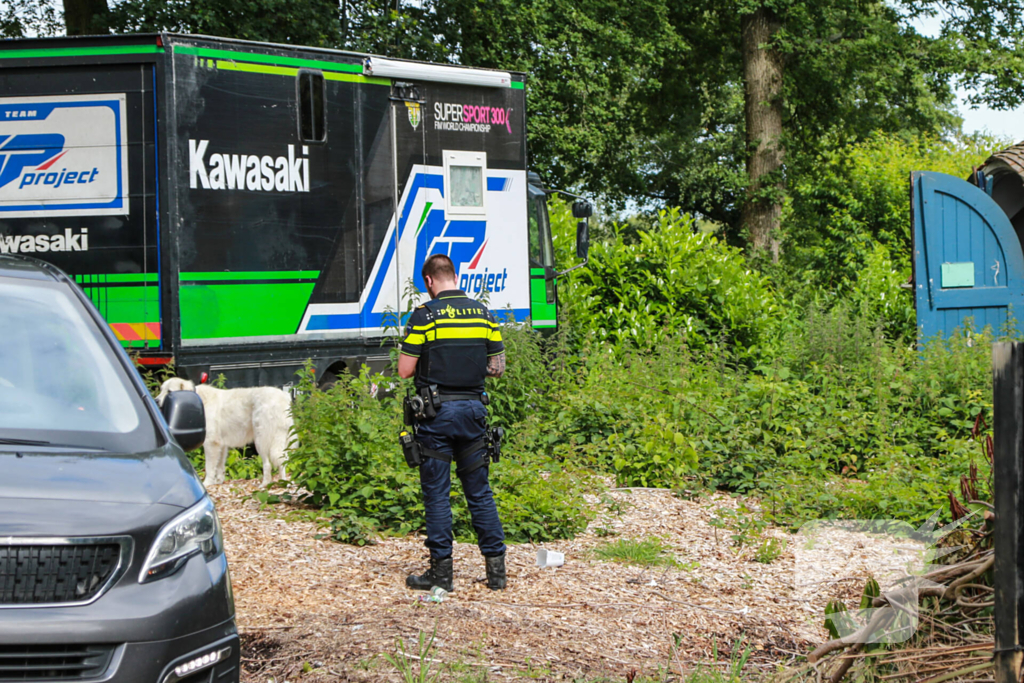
{"x": 453, "y": 336}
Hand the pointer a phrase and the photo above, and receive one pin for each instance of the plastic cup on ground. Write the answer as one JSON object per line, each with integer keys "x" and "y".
{"x": 549, "y": 558}
{"x": 436, "y": 595}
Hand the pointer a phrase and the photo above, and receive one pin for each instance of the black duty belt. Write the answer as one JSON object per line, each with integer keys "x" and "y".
{"x": 461, "y": 456}
{"x": 460, "y": 397}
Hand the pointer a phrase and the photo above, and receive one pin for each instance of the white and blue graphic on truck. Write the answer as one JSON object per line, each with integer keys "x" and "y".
{"x": 63, "y": 155}
{"x": 489, "y": 251}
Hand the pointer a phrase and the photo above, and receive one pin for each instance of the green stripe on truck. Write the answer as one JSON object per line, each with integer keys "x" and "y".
{"x": 36, "y": 53}
{"x": 258, "y": 275}
{"x": 215, "y": 311}
{"x": 98, "y": 280}
{"x": 125, "y": 298}
{"x": 276, "y": 60}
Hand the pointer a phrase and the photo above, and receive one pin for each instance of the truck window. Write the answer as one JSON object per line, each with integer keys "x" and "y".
{"x": 539, "y": 231}
{"x": 312, "y": 115}
{"x": 467, "y": 186}
{"x": 464, "y": 180}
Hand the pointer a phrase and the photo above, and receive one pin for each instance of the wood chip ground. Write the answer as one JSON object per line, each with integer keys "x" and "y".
{"x": 317, "y": 610}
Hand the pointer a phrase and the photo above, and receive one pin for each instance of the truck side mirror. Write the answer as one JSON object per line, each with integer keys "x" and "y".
{"x": 582, "y": 239}
{"x": 186, "y": 418}
{"x": 582, "y": 209}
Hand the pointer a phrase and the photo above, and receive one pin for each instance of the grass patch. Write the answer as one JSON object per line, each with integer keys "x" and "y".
{"x": 647, "y": 552}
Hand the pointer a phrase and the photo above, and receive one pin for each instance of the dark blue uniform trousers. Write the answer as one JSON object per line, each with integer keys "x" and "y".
{"x": 458, "y": 424}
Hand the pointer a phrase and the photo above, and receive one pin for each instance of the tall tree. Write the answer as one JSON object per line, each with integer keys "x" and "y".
{"x": 986, "y": 41}
{"x": 712, "y": 106}
{"x": 762, "y": 78}
{"x": 301, "y": 22}
{"x": 20, "y": 18}
{"x": 86, "y": 17}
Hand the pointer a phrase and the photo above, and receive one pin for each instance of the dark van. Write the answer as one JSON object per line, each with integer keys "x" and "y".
{"x": 112, "y": 563}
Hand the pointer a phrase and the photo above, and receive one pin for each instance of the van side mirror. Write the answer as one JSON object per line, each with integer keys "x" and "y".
{"x": 582, "y": 240}
{"x": 186, "y": 417}
{"x": 582, "y": 209}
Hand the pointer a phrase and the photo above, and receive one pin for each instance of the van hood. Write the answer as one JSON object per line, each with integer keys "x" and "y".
{"x": 162, "y": 476}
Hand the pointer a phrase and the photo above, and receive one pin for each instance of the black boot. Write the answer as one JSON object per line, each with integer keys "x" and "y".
{"x": 440, "y": 574}
{"x": 496, "y": 578}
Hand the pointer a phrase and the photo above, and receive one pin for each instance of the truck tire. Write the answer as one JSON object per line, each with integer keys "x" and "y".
{"x": 327, "y": 381}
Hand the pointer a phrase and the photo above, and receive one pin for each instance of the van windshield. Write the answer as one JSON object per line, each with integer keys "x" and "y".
{"x": 61, "y": 385}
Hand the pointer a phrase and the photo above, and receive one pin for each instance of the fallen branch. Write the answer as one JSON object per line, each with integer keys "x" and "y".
{"x": 968, "y": 578}
{"x": 957, "y": 673}
{"x": 856, "y": 638}
{"x": 933, "y": 652}
{"x": 947, "y": 622}
{"x": 845, "y": 666}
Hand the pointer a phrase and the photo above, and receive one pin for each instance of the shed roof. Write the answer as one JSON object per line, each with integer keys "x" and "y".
{"x": 1006, "y": 160}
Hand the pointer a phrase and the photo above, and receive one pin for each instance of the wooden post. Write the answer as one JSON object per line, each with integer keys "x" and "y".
{"x": 1008, "y": 570}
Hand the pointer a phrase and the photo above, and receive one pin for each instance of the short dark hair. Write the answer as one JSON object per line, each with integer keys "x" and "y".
{"x": 438, "y": 266}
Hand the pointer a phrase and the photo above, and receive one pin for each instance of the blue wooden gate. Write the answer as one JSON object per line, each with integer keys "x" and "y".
{"x": 967, "y": 258}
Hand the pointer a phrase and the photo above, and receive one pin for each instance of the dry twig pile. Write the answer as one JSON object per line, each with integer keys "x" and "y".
{"x": 948, "y": 610}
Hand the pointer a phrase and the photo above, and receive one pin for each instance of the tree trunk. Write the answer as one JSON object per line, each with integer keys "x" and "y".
{"x": 86, "y": 17}
{"x": 762, "y": 73}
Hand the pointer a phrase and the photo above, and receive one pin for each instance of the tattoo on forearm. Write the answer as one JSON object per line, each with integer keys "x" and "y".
{"x": 496, "y": 365}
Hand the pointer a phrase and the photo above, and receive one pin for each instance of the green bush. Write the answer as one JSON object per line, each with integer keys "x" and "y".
{"x": 349, "y": 461}
{"x": 524, "y": 386}
{"x": 347, "y": 458}
{"x": 857, "y": 197}
{"x": 842, "y": 422}
{"x": 240, "y": 464}
{"x": 670, "y": 281}
{"x": 849, "y": 221}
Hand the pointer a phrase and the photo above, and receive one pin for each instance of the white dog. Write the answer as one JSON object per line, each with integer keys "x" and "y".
{"x": 236, "y": 418}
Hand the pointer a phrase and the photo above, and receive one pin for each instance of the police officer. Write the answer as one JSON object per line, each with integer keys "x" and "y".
{"x": 453, "y": 342}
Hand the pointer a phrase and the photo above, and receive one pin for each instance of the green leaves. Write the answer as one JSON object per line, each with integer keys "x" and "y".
{"x": 838, "y": 620}
{"x": 850, "y": 231}
{"x": 349, "y": 461}
{"x": 670, "y": 280}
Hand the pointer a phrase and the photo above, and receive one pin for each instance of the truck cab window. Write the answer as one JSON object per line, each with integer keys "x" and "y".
{"x": 539, "y": 230}
{"x": 312, "y": 113}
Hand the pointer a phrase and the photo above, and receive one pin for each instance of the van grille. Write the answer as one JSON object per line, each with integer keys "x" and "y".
{"x": 33, "y": 574}
{"x": 53, "y": 662}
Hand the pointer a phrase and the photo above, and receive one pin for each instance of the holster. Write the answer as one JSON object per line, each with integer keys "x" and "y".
{"x": 431, "y": 401}
{"x": 410, "y": 449}
{"x": 494, "y": 438}
{"x": 424, "y": 405}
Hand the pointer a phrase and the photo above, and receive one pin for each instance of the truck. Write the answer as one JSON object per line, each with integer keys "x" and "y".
{"x": 239, "y": 208}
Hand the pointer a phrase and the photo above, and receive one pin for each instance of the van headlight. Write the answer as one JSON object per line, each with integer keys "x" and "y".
{"x": 197, "y": 530}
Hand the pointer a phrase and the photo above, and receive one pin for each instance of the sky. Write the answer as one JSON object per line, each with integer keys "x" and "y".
{"x": 1007, "y": 124}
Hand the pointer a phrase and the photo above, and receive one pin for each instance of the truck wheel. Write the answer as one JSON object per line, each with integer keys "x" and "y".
{"x": 327, "y": 380}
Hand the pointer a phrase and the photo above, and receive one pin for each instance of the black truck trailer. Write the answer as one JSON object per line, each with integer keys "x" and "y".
{"x": 238, "y": 208}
